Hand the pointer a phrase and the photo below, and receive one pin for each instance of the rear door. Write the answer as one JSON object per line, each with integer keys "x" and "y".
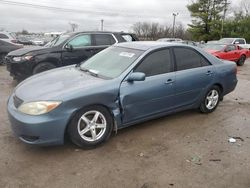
{"x": 193, "y": 75}
{"x": 82, "y": 49}
{"x": 155, "y": 94}
{"x": 102, "y": 41}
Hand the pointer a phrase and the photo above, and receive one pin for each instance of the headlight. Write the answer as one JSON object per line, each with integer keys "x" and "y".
{"x": 39, "y": 107}
{"x": 22, "y": 58}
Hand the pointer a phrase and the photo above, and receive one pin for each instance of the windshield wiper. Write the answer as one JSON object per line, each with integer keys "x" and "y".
{"x": 90, "y": 71}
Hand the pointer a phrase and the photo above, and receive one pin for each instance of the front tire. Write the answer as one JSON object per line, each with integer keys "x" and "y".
{"x": 241, "y": 61}
{"x": 211, "y": 100}
{"x": 91, "y": 127}
{"x": 41, "y": 67}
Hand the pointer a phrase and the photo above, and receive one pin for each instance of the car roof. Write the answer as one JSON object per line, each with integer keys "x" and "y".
{"x": 94, "y": 32}
{"x": 146, "y": 45}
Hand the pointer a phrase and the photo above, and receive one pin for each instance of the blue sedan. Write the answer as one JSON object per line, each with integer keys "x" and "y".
{"x": 122, "y": 85}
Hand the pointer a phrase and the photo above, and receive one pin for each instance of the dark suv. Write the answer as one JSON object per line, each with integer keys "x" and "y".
{"x": 67, "y": 49}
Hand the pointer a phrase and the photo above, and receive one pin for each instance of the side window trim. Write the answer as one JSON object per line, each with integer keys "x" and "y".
{"x": 197, "y": 52}
{"x": 164, "y": 48}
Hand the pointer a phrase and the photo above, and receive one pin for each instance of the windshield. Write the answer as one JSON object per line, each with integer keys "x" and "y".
{"x": 226, "y": 41}
{"x": 217, "y": 47}
{"x": 58, "y": 40}
{"x": 111, "y": 62}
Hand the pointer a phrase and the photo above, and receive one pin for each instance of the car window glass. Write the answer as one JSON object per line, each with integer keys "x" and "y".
{"x": 81, "y": 41}
{"x": 188, "y": 59}
{"x": 104, "y": 39}
{"x": 3, "y": 36}
{"x": 241, "y": 41}
{"x": 158, "y": 62}
{"x": 128, "y": 37}
{"x": 230, "y": 48}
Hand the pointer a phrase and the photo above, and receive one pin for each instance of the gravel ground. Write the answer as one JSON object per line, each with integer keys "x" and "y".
{"x": 188, "y": 149}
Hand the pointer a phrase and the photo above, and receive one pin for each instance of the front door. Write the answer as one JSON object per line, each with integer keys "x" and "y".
{"x": 82, "y": 49}
{"x": 142, "y": 99}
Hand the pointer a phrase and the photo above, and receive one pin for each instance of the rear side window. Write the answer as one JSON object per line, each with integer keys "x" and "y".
{"x": 3, "y": 36}
{"x": 158, "y": 62}
{"x": 104, "y": 39}
{"x": 81, "y": 41}
{"x": 128, "y": 37}
{"x": 188, "y": 59}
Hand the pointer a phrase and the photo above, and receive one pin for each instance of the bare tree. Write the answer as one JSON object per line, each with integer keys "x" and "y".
{"x": 73, "y": 26}
{"x": 245, "y": 6}
{"x": 154, "y": 31}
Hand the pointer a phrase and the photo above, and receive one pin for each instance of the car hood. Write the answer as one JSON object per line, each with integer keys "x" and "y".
{"x": 57, "y": 84}
{"x": 31, "y": 50}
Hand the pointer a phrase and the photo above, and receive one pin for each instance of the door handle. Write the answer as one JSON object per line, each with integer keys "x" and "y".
{"x": 209, "y": 73}
{"x": 169, "y": 81}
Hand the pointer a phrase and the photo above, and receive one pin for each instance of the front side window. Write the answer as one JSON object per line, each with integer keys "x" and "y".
{"x": 188, "y": 59}
{"x": 230, "y": 48}
{"x": 80, "y": 41}
{"x": 158, "y": 62}
{"x": 104, "y": 39}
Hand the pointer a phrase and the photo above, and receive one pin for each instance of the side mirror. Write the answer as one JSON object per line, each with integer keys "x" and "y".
{"x": 69, "y": 47}
{"x": 237, "y": 42}
{"x": 136, "y": 76}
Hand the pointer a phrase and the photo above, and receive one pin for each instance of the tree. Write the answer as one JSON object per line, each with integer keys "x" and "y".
{"x": 207, "y": 16}
{"x": 154, "y": 31}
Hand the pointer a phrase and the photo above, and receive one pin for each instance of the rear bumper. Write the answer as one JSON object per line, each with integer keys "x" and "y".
{"x": 41, "y": 130}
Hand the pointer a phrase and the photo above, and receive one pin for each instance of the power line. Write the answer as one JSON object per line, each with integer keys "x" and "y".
{"x": 45, "y": 7}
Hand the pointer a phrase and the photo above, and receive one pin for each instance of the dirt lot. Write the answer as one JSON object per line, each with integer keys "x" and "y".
{"x": 187, "y": 149}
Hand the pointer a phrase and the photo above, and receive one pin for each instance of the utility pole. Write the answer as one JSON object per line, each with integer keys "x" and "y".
{"x": 102, "y": 21}
{"x": 174, "y": 14}
{"x": 226, "y": 3}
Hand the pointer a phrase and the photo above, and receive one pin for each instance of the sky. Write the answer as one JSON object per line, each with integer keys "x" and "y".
{"x": 118, "y": 15}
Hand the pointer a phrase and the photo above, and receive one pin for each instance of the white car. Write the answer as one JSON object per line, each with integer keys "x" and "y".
{"x": 37, "y": 42}
{"x": 169, "y": 40}
{"x": 238, "y": 41}
{"x": 8, "y": 36}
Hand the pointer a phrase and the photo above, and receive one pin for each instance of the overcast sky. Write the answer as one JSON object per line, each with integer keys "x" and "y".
{"x": 118, "y": 15}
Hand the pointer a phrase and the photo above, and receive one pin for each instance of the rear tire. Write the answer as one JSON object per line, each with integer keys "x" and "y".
{"x": 41, "y": 67}
{"x": 90, "y": 127}
{"x": 211, "y": 100}
{"x": 241, "y": 61}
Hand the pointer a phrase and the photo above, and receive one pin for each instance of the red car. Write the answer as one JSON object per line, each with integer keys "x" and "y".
{"x": 229, "y": 52}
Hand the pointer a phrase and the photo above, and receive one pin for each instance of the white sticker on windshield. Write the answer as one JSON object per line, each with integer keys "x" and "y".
{"x": 127, "y": 54}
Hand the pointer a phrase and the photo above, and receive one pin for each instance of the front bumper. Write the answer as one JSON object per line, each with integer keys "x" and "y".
{"x": 18, "y": 70}
{"x": 44, "y": 130}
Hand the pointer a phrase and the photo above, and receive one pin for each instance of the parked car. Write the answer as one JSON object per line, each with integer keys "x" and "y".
{"x": 169, "y": 40}
{"x": 8, "y": 36}
{"x": 24, "y": 41}
{"x": 238, "y": 41}
{"x": 229, "y": 52}
{"x": 67, "y": 49}
{"x": 5, "y": 48}
{"x": 125, "y": 84}
{"x": 37, "y": 42}
{"x": 188, "y": 42}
